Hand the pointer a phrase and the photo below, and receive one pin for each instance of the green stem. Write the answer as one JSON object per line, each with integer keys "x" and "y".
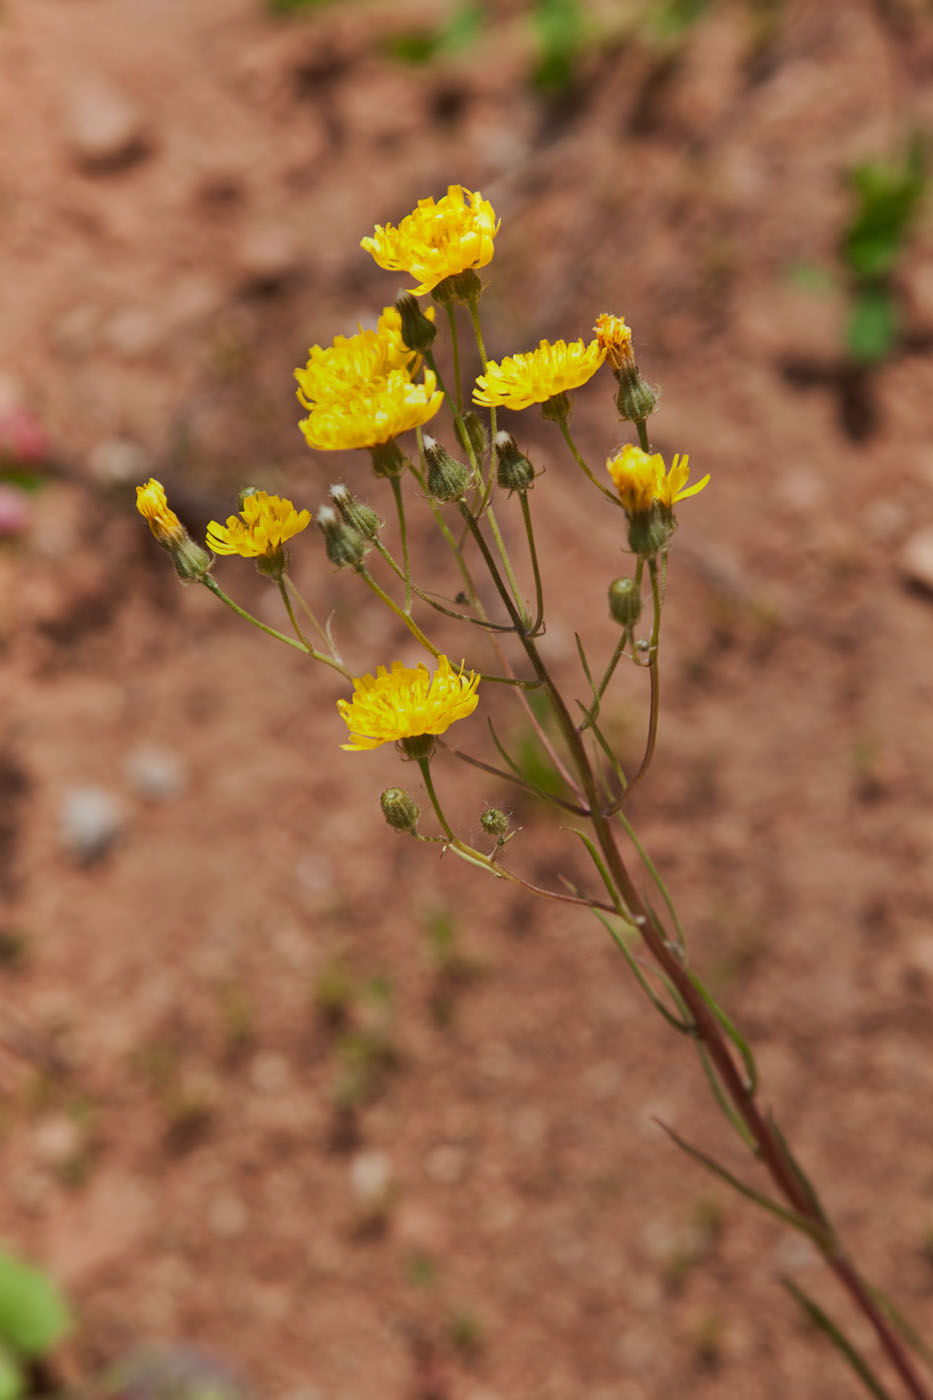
{"x": 321, "y": 631}
{"x": 642, "y": 427}
{"x": 507, "y": 566}
{"x": 283, "y": 589}
{"x": 425, "y": 765}
{"x": 403, "y": 533}
{"x": 477, "y": 331}
{"x": 403, "y": 616}
{"x": 213, "y": 587}
{"x": 533, "y": 553}
{"x": 565, "y": 429}
{"x": 455, "y": 350}
{"x": 655, "y": 675}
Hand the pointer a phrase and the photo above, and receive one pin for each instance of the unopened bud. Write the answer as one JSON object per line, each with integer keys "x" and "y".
{"x": 448, "y": 479}
{"x": 470, "y": 431}
{"x": 191, "y": 561}
{"x": 344, "y": 545}
{"x": 557, "y": 407}
{"x": 400, "y": 810}
{"x": 514, "y": 472}
{"x": 356, "y": 512}
{"x": 244, "y": 494}
{"x": 624, "y": 602}
{"x": 494, "y": 822}
{"x": 388, "y": 459}
{"x": 635, "y": 399}
{"x": 417, "y": 745}
{"x": 418, "y": 331}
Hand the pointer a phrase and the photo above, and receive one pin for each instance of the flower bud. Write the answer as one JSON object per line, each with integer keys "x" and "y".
{"x": 557, "y": 407}
{"x": 388, "y": 459}
{"x": 635, "y": 399}
{"x": 624, "y": 602}
{"x": 356, "y": 512}
{"x": 417, "y": 331}
{"x": 344, "y": 544}
{"x": 470, "y": 431}
{"x": 417, "y": 745}
{"x": 244, "y": 494}
{"x": 514, "y": 471}
{"x": 448, "y": 479}
{"x": 400, "y": 810}
{"x": 494, "y": 822}
{"x": 191, "y": 561}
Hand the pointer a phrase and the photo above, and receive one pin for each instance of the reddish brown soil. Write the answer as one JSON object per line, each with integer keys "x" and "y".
{"x": 170, "y": 1147}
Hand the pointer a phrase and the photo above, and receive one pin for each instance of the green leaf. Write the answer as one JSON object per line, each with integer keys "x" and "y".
{"x": 560, "y": 27}
{"x": 824, "y": 1323}
{"x": 33, "y": 1314}
{"x": 887, "y": 198}
{"x": 738, "y": 1040}
{"x": 418, "y": 46}
{"x": 12, "y": 1380}
{"x": 873, "y": 326}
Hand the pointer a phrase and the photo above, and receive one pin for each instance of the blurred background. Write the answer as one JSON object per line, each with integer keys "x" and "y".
{"x": 283, "y": 1088}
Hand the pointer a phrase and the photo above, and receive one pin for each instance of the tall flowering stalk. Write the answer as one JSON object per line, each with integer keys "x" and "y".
{"x": 373, "y": 391}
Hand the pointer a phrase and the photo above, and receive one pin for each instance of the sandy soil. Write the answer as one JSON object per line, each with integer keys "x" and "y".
{"x": 454, "y": 1185}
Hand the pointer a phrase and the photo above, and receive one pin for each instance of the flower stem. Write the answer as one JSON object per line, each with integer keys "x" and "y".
{"x": 303, "y": 646}
{"x": 565, "y": 429}
{"x": 533, "y": 553}
{"x": 409, "y": 622}
{"x": 403, "y": 533}
{"x": 477, "y": 331}
{"x": 425, "y": 765}
{"x": 455, "y": 350}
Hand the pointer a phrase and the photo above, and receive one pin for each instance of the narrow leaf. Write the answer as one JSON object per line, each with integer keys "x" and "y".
{"x": 824, "y": 1323}
{"x": 738, "y": 1040}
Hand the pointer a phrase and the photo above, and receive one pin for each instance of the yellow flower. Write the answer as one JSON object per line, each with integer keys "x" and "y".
{"x": 341, "y": 371}
{"x": 615, "y": 338}
{"x": 260, "y": 530}
{"x": 153, "y": 507}
{"x": 378, "y": 413}
{"x": 404, "y": 703}
{"x": 535, "y": 376}
{"x": 642, "y": 480}
{"x": 437, "y": 240}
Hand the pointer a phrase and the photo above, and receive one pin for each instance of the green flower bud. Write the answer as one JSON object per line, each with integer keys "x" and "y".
{"x": 624, "y": 602}
{"x": 470, "y": 431}
{"x": 388, "y": 459}
{"x": 191, "y": 561}
{"x": 344, "y": 545}
{"x": 514, "y": 472}
{"x": 494, "y": 822}
{"x": 400, "y": 810}
{"x": 244, "y": 494}
{"x": 356, "y": 512}
{"x": 417, "y": 331}
{"x": 635, "y": 399}
{"x": 448, "y": 479}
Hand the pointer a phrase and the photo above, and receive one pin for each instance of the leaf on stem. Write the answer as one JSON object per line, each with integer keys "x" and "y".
{"x": 824, "y": 1323}
{"x": 738, "y": 1040}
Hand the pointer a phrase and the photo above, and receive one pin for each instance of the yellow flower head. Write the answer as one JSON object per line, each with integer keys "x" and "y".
{"x": 615, "y": 338}
{"x": 535, "y": 376}
{"x": 642, "y": 480}
{"x": 260, "y": 530}
{"x": 352, "y": 364}
{"x": 378, "y": 413}
{"x": 153, "y": 507}
{"x": 437, "y": 240}
{"x": 404, "y": 703}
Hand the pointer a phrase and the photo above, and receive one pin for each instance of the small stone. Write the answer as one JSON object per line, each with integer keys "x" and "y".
{"x": 371, "y": 1178}
{"x": 132, "y": 332}
{"x": 91, "y": 819}
{"x": 103, "y": 128}
{"x": 267, "y": 257}
{"x": 156, "y": 775}
{"x": 118, "y": 461}
{"x": 916, "y": 560}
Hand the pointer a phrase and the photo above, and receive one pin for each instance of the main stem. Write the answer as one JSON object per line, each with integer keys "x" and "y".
{"x": 706, "y": 1028}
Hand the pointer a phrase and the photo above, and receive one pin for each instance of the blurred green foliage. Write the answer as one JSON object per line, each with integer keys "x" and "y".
{"x": 33, "y": 1317}
{"x": 560, "y": 33}
{"x": 887, "y": 198}
{"x": 423, "y": 45}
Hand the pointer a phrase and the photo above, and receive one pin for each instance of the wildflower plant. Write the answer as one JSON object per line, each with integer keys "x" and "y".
{"x": 377, "y": 390}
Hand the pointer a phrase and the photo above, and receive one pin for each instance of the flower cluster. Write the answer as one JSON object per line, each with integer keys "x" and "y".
{"x": 643, "y": 481}
{"x": 437, "y": 240}
{"x": 260, "y": 530}
{"x": 360, "y": 391}
{"x": 405, "y": 703}
{"x": 554, "y": 368}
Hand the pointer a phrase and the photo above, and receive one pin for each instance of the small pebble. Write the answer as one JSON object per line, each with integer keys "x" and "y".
{"x": 156, "y": 775}
{"x": 916, "y": 559}
{"x": 370, "y": 1178}
{"x": 91, "y": 819}
{"x": 103, "y": 128}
